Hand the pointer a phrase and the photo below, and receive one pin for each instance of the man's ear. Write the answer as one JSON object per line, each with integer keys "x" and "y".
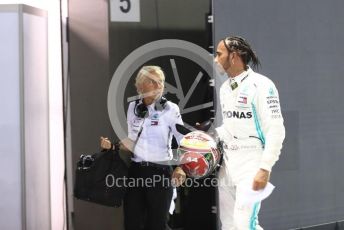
{"x": 232, "y": 57}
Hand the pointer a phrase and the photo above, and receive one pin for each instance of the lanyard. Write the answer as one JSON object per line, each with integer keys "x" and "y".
{"x": 138, "y": 134}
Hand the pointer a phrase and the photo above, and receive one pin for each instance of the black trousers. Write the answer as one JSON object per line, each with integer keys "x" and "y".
{"x": 146, "y": 205}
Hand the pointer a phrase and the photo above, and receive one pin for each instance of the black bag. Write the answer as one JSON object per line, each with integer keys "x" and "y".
{"x": 100, "y": 178}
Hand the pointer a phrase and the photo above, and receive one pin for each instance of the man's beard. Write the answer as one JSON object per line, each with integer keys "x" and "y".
{"x": 219, "y": 69}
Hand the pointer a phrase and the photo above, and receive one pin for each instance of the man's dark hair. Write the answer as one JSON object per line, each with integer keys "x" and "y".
{"x": 241, "y": 46}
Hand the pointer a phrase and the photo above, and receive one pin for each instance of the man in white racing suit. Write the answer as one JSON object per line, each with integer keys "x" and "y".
{"x": 252, "y": 132}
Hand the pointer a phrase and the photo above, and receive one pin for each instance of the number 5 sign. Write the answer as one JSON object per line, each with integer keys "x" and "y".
{"x": 125, "y": 10}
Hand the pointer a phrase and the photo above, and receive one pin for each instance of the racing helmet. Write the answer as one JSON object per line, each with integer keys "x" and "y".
{"x": 198, "y": 154}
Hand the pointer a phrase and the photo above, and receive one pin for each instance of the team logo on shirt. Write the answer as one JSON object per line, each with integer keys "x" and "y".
{"x": 272, "y": 101}
{"x": 271, "y": 92}
{"x": 137, "y": 121}
{"x": 237, "y": 114}
{"x": 242, "y": 100}
{"x": 155, "y": 120}
{"x": 153, "y": 123}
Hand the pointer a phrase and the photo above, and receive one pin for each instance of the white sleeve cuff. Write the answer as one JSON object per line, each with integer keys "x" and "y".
{"x": 266, "y": 166}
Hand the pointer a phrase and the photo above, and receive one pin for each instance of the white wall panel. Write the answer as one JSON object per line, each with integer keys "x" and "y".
{"x": 36, "y": 121}
{"x": 10, "y": 132}
{"x": 25, "y": 172}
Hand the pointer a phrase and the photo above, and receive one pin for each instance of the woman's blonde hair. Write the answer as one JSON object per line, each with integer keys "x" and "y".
{"x": 151, "y": 72}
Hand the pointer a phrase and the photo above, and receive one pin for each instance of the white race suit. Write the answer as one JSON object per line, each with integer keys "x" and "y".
{"x": 253, "y": 133}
